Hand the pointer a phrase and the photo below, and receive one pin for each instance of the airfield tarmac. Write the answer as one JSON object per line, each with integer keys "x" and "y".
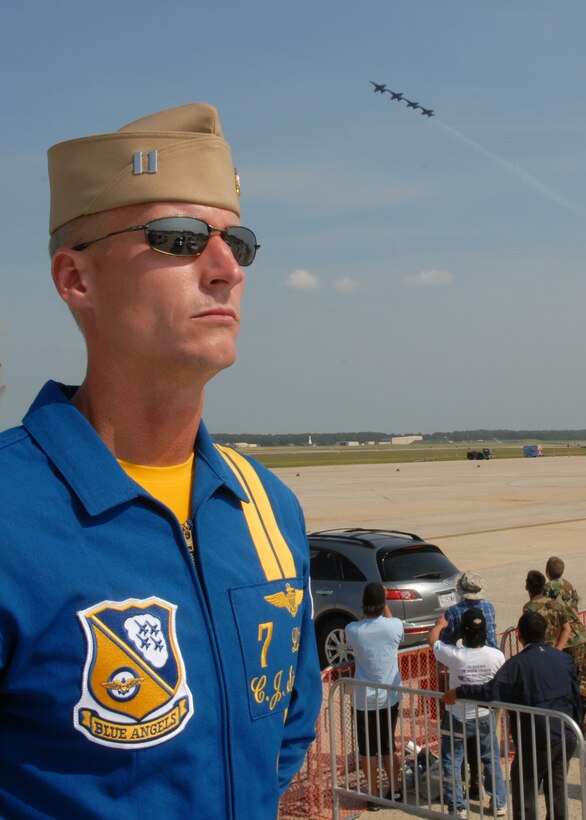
{"x": 500, "y": 518}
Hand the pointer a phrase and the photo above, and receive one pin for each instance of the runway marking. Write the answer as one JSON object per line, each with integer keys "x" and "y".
{"x": 506, "y": 529}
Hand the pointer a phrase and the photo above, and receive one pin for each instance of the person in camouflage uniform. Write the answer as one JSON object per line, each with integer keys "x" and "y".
{"x": 557, "y": 587}
{"x": 564, "y": 629}
{"x": 556, "y": 613}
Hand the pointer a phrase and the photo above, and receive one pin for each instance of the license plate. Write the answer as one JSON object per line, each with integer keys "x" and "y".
{"x": 447, "y": 599}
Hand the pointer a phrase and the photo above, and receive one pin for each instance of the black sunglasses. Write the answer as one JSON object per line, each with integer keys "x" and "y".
{"x": 188, "y": 236}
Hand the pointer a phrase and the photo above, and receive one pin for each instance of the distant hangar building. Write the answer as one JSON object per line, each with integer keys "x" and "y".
{"x": 405, "y": 439}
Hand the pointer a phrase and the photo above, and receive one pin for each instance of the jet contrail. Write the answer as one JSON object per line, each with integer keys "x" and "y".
{"x": 532, "y": 181}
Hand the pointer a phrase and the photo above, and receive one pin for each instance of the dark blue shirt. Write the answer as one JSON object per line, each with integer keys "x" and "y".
{"x": 538, "y": 676}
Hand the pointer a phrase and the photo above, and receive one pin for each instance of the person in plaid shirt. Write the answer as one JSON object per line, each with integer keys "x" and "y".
{"x": 471, "y": 588}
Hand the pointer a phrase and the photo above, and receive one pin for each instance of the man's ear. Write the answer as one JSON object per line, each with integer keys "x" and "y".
{"x": 68, "y": 270}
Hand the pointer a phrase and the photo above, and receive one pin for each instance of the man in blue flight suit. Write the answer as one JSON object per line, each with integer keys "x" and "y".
{"x": 157, "y": 654}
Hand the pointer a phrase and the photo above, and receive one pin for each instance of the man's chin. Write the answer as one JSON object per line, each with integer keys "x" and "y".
{"x": 213, "y": 364}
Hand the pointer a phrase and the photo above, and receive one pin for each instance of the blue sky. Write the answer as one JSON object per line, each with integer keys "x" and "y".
{"x": 415, "y": 274}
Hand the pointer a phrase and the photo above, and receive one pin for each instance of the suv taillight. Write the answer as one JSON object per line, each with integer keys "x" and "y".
{"x": 402, "y": 595}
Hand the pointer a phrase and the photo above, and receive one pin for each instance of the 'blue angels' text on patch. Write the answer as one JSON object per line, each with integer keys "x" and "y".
{"x": 268, "y": 617}
{"x": 134, "y": 691}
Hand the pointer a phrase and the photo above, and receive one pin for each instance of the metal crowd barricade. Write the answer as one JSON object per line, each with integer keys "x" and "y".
{"x": 538, "y": 760}
{"x": 310, "y": 794}
{"x": 510, "y": 643}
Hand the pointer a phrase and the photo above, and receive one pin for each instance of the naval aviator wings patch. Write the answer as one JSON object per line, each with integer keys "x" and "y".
{"x": 134, "y": 688}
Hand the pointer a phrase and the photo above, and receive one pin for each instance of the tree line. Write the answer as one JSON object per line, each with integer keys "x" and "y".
{"x": 455, "y": 436}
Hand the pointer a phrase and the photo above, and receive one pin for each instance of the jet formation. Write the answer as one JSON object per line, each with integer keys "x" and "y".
{"x": 381, "y": 88}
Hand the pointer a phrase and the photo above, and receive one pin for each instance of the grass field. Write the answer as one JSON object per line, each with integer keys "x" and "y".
{"x": 399, "y": 454}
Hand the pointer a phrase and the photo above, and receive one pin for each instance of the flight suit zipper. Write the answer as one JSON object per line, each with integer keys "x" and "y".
{"x": 189, "y": 540}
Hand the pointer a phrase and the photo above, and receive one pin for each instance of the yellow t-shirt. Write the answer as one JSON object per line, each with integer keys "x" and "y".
{"x": 170, "y": 485}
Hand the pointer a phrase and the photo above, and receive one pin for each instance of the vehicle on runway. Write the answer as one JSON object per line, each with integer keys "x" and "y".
{"x": 419, "y": 579}
{"x": 479, "y": 455}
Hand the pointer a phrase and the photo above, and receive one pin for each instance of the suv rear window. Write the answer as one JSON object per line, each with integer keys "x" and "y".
{"x": 415, "y": 564}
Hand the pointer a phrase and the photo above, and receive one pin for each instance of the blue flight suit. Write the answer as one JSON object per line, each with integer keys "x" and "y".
{"x": 135, "y": 680}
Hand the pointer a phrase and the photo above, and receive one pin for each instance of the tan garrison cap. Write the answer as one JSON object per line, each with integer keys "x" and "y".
{"x": 179, "y": 154}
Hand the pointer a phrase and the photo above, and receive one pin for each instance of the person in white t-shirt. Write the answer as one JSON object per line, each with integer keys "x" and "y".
{"x": 472, "y": 662}
{"x": 375, "y": 640}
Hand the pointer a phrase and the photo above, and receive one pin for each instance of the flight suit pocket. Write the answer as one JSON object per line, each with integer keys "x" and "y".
{"x": 268, "y": 619}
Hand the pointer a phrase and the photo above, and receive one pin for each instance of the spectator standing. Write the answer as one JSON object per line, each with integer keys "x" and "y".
{"x": 472, "y": 591}
{"x": 473, "y": 662}
{"x": 564, "y": 629}
{"x": 375, "y": 640}
{"x": 538, "y": 676}
{"x": 555, "y": 613}
{"x": 557, "y": 587}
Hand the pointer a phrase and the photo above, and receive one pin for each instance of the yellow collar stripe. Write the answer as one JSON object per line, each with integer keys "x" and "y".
{"x": 273, "y": 551}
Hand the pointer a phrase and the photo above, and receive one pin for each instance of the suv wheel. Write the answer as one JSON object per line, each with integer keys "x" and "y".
{"x": 331, "y": 642}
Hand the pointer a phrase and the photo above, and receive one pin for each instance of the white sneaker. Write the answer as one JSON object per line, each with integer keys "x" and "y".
{"x": 461, "y": 814}
{"x": 500, "y": 812}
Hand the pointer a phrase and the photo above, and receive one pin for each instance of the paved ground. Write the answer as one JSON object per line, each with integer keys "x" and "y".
{"x": 500, "y": 518}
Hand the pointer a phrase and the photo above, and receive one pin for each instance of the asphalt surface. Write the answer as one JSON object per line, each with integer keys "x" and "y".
{"x": 499, "y": 518}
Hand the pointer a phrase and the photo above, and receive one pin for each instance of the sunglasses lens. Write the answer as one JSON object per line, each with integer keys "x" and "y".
{"x": 188, "y": 236}
{"x": 242, "y": 243}
{"x": 177, "y": 235}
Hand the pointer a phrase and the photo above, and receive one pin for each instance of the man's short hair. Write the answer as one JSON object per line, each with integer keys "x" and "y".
{"x": 373, "y": 599}
{"x": 555, "y": 567}
{"x": 535, "y": 581}
{"x": 532, "y": 627}
{"x": 76, "y": 231}
{"x": 473, "y": 628}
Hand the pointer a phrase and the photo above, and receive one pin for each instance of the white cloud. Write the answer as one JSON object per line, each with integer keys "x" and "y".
{"x": 346, "y": 285}
{"x": 302, "y": 280}
{"x": 428, "y": 279}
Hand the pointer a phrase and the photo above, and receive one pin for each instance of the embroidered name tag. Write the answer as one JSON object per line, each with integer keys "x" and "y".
{"x": 268, "y": 617}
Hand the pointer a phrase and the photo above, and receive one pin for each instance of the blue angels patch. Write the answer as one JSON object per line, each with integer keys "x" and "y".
{"x": 134, "y": 690}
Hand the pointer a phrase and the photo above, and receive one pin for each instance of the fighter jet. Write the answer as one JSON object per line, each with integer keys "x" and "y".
{"x": 398, "y": 96}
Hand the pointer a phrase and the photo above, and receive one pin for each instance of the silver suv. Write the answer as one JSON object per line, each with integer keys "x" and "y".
{"x": 420, "y": 583}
